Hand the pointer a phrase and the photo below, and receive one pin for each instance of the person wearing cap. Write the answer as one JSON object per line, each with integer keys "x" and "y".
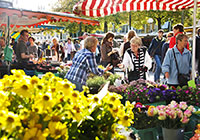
{"x": 177, "y": 29}
{"x": 198, "y": 49}
{"x": 155, "y": 51}
{"x": 85, "y": 35}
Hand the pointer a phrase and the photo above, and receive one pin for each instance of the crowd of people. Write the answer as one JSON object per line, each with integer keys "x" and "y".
{"x": 171, "y": 54}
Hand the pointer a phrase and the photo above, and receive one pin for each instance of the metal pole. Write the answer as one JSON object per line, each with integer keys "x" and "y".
{"x": 194, "y": 39}
{"x": 130, "y": 20}
{"x": 7, "y": 44}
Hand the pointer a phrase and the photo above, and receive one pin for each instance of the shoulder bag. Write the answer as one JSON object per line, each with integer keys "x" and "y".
{"x": 182, "y": 78}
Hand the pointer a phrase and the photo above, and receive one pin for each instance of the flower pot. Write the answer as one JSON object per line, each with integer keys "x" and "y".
{"x": 173, "y": 134}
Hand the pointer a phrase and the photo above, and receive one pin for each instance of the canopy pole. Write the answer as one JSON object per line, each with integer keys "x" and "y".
{"x": 194, "y": 40}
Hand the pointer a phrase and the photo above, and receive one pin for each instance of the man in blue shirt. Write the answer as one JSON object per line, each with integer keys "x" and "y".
{"x": 183, "y": 57}
{"x": 83, "y": 63}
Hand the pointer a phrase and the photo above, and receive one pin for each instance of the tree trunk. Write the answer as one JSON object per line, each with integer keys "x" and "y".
{"x": 159, "y": 23}
{"x": 105, "y": 27}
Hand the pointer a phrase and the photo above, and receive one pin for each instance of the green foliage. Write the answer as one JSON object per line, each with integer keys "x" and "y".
{"x": 112, "y": 78}
{"x": 96, "y": 81}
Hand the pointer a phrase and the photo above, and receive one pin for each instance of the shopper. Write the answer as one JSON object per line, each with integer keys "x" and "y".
{"x": 83, "y": 63}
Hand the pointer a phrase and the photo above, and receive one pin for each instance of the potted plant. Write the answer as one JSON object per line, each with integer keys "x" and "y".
{"x": 172, "y": 118}
{"x": 95, "y": 83}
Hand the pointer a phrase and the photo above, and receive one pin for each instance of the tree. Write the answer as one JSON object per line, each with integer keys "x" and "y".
{"x": 140, "y": 17}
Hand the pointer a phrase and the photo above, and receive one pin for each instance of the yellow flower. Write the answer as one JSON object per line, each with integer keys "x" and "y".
{"x": 125, "y": 119}
{"x": 65, "y": 87}
{"x": 34, "y": 134}
{"x": 152, "y": 111}
{"x": 11, "y": 122}
{"x": 34, "y": 80}
{"x": 43, "y": 102}
{"x": 3, "y": 100}
{"x": 4, "y": 138}
{"x": 23, "y": 88}
{"x": 18, "y": 74}
{"x": 57, "y": 129}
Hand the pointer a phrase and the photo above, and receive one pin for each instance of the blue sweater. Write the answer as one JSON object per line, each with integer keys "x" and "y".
{"x": 184, "y": 61}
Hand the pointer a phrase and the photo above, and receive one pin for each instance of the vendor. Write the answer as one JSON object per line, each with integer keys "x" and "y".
{"x": 83, "y": 63}
{"x": 22, "y": 55}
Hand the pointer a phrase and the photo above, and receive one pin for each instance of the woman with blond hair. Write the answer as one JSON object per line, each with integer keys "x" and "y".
{"x": 136, "y": 60}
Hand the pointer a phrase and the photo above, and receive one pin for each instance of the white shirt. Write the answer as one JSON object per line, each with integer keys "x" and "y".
{"x": 127, "y": 62}
{"x": 82, "y": 44}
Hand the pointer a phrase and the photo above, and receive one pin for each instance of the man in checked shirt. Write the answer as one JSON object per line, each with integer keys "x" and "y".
{"x": 83, "y": 63}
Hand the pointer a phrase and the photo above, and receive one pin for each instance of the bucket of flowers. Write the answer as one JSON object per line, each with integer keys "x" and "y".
{"x": 144, "y": 125}
{"x": 172, "y": 118}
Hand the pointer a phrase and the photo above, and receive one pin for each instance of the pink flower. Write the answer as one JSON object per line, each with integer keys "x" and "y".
{"x": 172, "y": 114}
{"x": 187, "y": 113}
{"x": 185, "y": 119}
{"x": 162, "y": 115}
{"x": 191, "y": 108}
{"x": 183, "y": 105}
{"x": 180, "y": 113}
{"x": 161, "y": 107}
{"x": 173, "y": 104}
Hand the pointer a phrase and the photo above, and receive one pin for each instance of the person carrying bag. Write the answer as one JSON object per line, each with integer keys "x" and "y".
{"x": 182, "y": 78}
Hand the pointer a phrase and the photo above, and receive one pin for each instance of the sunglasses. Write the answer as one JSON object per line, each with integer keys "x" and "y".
{"x": 169, "y": 36}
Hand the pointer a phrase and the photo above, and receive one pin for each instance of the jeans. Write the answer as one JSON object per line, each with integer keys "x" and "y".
{"x": 68, "y": 56}
{"x": 158, "y": 67}
{"x": 78, "y": 85}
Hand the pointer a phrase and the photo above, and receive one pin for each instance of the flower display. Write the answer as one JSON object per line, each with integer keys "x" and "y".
{"x": 189, "y": 94}
{"x": 141, "y": 119}
{"x": 173, "y": 115}
{"x": 197, "y": 133}
{"x": 49, "y": 108}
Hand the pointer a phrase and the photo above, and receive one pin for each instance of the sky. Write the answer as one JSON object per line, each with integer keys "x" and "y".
{"x": 41, "y": 5}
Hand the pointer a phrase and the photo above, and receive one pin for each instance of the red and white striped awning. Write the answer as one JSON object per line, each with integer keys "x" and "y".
{"x": 29, "y": 18}
{"x": 101, "y": 8}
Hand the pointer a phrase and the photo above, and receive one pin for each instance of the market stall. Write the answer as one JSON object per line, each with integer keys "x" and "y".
{"x": 101, "y": 8}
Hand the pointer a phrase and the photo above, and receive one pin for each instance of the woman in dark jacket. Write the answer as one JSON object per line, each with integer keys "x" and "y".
{"x": 106, "y": 49}
{"x": 127, "y": 45}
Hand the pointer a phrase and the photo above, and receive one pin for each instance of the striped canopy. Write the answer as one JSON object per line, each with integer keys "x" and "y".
{"x": 101, "y": 8}
{"x": 29, "y": 18}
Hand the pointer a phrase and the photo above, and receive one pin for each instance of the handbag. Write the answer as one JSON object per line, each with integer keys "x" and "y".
{"x": 115, "y": 59}
{"x": 135, "y": 74}
{"x": 182, "y": 78}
